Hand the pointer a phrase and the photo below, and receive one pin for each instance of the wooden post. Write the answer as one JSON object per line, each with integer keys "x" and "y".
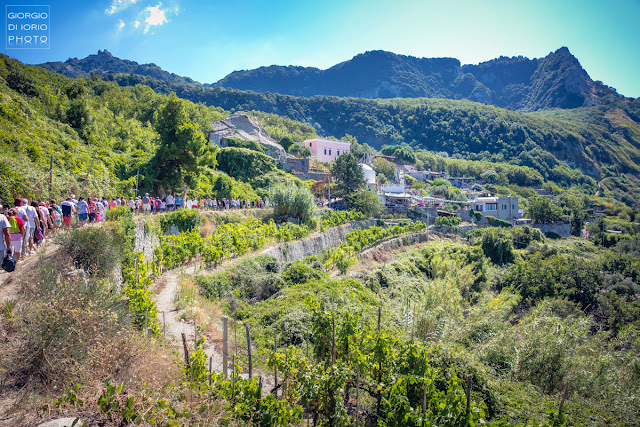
{"x": 357, "y": 392}
{"x": 275, "y": 368}
{"x": 333, "y": 340}
{"x": 225, "y": 346}
{"x": 146, "y": 320}
{"x": 233, "y": 375}
{"x": 88, "y": 174}
{"x": 195, "y": 266}
{"x": 246, "y": 327}
{"x": 284, "y": 377}
{"x": 424, "y": 398}
{"x": 164, "y": 327}
{"x": 195, "y": 334}
{"x": 413, "y": 320}
{"x": 186, "y": 351}
{"x": 210, "y": 369}
{"x": 379, "y": 396}
{"x": 469, "y": 378}
{"x": 51, "y": 178}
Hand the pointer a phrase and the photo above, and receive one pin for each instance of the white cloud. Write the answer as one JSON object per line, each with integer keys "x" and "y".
{"x": 121, "y": 24}
{"x": 155, "y": 16}
{"x": 118, "y": 5}
{"x": 136, "y": 24}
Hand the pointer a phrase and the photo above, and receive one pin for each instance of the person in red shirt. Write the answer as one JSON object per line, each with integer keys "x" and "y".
{"x": 17, "y": 231}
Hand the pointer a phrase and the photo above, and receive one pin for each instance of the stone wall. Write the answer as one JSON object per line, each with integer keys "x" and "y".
{"x": 331, "y": 238}
{"x": 563, "y": 229}
{"x": 376, "y": 253}
{"x": 146, "y": 241}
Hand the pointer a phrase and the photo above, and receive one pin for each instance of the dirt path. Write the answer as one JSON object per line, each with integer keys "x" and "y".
{"x": 176, "y": 327}
{"x": 165, "y": 303}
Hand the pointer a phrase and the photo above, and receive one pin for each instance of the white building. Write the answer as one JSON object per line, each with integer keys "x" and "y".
{"x": 505, "y": 208}
{"x": 369, "y": 173}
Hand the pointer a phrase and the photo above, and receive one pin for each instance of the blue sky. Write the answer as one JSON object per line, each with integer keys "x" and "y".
{"x": 206, "y": 40}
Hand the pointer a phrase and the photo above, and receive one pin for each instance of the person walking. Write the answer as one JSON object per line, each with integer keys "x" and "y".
{"x": 92, "y": 209}
{"x": 68, "y": 208}
{"x": 31, "y": 225}
{"x": 17, "y": 232}
{"x": 146, "y": 203}
{"x": 83, "y": 211}
{"x": 5, "y": 240}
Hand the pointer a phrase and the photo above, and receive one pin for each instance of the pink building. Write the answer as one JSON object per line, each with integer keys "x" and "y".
{"x": 326, "y": 150}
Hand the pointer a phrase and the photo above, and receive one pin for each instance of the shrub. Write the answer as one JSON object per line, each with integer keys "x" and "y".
{"x": 448, "y": 221}
{"x": 496, "y": 222}
{"x": 183, "y": 219}
{"x": 293, "y": 202}
{"x": 96, "y": 249}
{"x": 244, "y": 164}
{"x": 365, "y": 202}
{"x": 299, "y": 272}
{"x": 243, "y": 143}
{"x": 497, "y": 245}
{"x": 71, "y": 327}
{"x": 117, "y": 213}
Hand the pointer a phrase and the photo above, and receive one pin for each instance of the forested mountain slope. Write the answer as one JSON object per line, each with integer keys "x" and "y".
{"x": 595, "y": 140}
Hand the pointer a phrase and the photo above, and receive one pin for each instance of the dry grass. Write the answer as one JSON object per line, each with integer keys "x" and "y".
{"x": 195, "y": 308}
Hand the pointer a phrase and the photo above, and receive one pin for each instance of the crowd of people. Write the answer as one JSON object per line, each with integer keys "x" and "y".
{"x": 171, "y": 202}
{"x": 25, "y": 226}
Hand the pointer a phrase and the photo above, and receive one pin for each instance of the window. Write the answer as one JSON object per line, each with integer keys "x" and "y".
{"x": 491, "y": 206}
{"x": 513, "y": 206}
{"x": 338, "y": 152}
{"x": 504, "y": 207}
{"x": 325, "y": 151}
{"x": 329, "y": 151}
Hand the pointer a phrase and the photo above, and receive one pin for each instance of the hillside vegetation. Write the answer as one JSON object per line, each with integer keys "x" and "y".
{"x": 101, "y": 135}
{"x": 591, "y": 140}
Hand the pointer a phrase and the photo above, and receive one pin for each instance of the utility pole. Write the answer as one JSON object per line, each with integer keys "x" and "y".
{"x": 88, "y": 174}
{"x": 137, "y": 173}
{"x": 51, "y": 178}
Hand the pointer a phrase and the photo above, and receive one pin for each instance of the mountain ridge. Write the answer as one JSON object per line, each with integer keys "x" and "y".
{"x": 554, "y": 81}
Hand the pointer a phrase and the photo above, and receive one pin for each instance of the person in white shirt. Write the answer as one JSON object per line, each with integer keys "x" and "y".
{"x": 169, "y": 201}
{"x": 30, "y": 226}
{"x": 101, "y": 210}
{"x": 5, "y": 240}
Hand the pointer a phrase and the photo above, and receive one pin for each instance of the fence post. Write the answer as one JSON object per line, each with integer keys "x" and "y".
{"x": 186, "y": 351}
{"x": 210, "y": 369}
{"x": 469, "y": 378}
{"x": 225, "y": 346}
{"x": 246, "y": 327}
{"x": 275, "y": 368}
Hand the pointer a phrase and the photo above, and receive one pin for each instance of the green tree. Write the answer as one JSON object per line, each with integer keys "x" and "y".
{"x": 299, "y": 150}
{"x": 286, "y": 142}
{"x": 183, "y": 150}
{"x": 348, "y": 174}
{"x": 364, "y": 201}
{"x": 543, "y": 210}
{"x": 385, "y": 167}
